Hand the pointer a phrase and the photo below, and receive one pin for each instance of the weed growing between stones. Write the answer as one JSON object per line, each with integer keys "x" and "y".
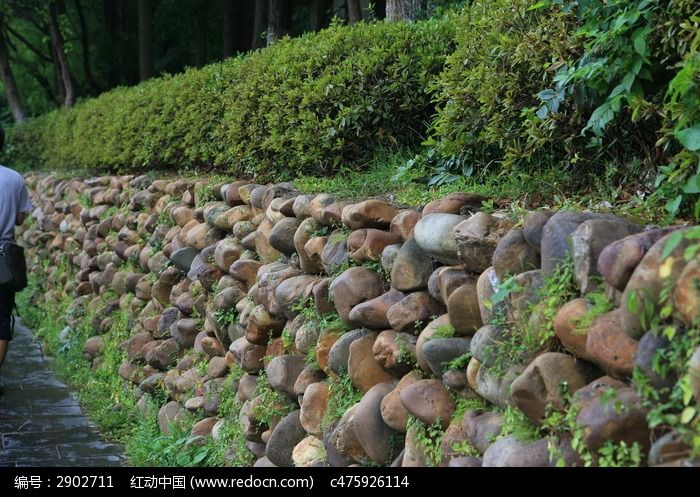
{"x": 342, "y": 395}
{"x": 428, "y": 439}
{"x": 271, "y": 405}
{"x": 534, "y": 330}
{"x": 329, "y": 321}
{"x": 516, "y": 423}
{"x": 459, "y": 362}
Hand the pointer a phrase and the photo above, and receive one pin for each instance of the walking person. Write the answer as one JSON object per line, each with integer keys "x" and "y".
{"x": 14, "y": 206}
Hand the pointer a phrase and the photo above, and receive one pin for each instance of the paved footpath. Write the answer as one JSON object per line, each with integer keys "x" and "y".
{"x": 41, "y": 423}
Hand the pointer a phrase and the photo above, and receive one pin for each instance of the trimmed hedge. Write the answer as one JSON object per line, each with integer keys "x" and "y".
{"x": 305, "y": 105}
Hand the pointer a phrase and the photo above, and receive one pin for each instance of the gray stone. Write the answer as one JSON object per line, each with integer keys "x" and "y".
{"x": 477, "y": 239}
{"x": 556, "y": 236}
{"x": 373, "y": 434}
{"x": 283, "y": 371}
{"x": 533, "y": 225}
{"x": 440, "y": 351}
{"x": 340, "y": 351}
{"x": 434, "y": 235}
{"x": 412, "y": 268}
{"x": 514, "y": 255}
{"x": 481, "y": 428}
{"x": 282, "y": 235}
{"x": 589, "y": 240}
{"x": 389, "y": 255}
{"x": 286, "y": 435}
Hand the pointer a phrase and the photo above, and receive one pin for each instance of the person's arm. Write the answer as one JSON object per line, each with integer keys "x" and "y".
{"x": 25, "y": 205}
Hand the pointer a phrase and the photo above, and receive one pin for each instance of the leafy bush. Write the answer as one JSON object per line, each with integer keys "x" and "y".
{"x": 309, "y": 104}
{"x": 503, "y": 49}
{"x": 562, "y": 82}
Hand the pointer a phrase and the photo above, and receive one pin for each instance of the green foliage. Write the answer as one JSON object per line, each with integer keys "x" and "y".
{"x": 428, "y": 438}
{"x": 503, "y": 49}
{"x": 272, "y": 404}
{"x": 459, "y": 362}
{"x": 342, "y": 395}
{"x": 515, "y": 423}
{"x": 443, "y": 331}
{"x": 226, "y": 317}
{"x": 308, "y": 104}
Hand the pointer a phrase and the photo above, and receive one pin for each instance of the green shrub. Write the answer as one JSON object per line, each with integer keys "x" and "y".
{"x": 310, "y": 104}
{"x": 503, "y": 51}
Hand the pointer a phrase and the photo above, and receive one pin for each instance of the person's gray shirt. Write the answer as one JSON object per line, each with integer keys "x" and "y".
{"x": 13, "y": 200}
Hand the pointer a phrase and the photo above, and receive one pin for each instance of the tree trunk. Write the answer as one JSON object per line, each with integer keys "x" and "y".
{"x": 146, "y": 69}
{"x": 202, "y": 19}
{"x": 402, "y": 10}
{"x": 319, "y": 14}
{"x": 379, "y": 9}
{"x": 8, "y": 79}
{"x": 259, "y": 24}
{"x": 86, "y": 48}
{"x": 354, "y": 11}
{"x": 279, "y": 20}
{"x": 228, "y": 41}
{"x": 59, "y": 48}
{"x": 111, "y": 12}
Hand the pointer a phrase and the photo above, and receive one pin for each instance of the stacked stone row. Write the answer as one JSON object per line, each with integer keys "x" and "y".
{"x": 225, "y": 278}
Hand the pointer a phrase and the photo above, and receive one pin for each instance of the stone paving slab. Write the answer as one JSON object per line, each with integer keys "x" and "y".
{"x": 41, "y": 423}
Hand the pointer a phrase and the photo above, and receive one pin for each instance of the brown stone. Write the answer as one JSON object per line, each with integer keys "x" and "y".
{"x": 619, "y": 259}
{"x": 373, "y": 313}
{"x": 368, "y": 214}
{"x": 514, "y": 255}
{"x": 402, "y": 224}
{"x": 248, "y": 355}
{"x": 368, "y": 244}
{"x": 540, "y": 385}
{"x": 445, "y": 280}
{"x": 364, "y": 371}
{"x": 323, "y": 347}
{"x": 428, "y": 400}
{"x": 352, "y": 287}
{"x": 313, "y": 407}
{"x": 463, "y": 309}
{"x": 303, "y": 234}
{"x": 686, "y": 295}
{"x": 395, "y": 352}
{"x": 477, "y": 239}
{"x": 409, "y": 314}
{"x": 455, "y": 203}
{"x": 393, "y": 412}
{"x": 609, "y": 347}
{"x": 617, "y": 418}
{"x": 567, "y": 326}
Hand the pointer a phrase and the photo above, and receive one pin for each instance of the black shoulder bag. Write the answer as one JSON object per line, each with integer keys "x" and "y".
{"x": 13, "y": 267}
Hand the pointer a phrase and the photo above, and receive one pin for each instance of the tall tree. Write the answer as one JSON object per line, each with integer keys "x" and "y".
{"x": 379, "y": 9}
{"x": 403, "y": 10}
{"x": 58, "y": 43}
{"x": 146, "y": 68}
{"x": 202, "y": 32}
{"x": 279, "y": 20}
{"x": 259, "y": 24}
{"x": 227, "y": 36}
{"x": 319, "y": 14}
{"x": 84, "y": 42}
{"x": 8, "y": 79}
{"x": 354, "y": 11}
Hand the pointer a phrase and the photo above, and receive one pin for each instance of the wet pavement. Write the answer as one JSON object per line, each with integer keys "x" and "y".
{"x": 41, "y": 422}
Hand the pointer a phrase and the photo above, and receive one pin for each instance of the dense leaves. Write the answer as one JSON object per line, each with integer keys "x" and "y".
{"x": 309, "y": 104}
